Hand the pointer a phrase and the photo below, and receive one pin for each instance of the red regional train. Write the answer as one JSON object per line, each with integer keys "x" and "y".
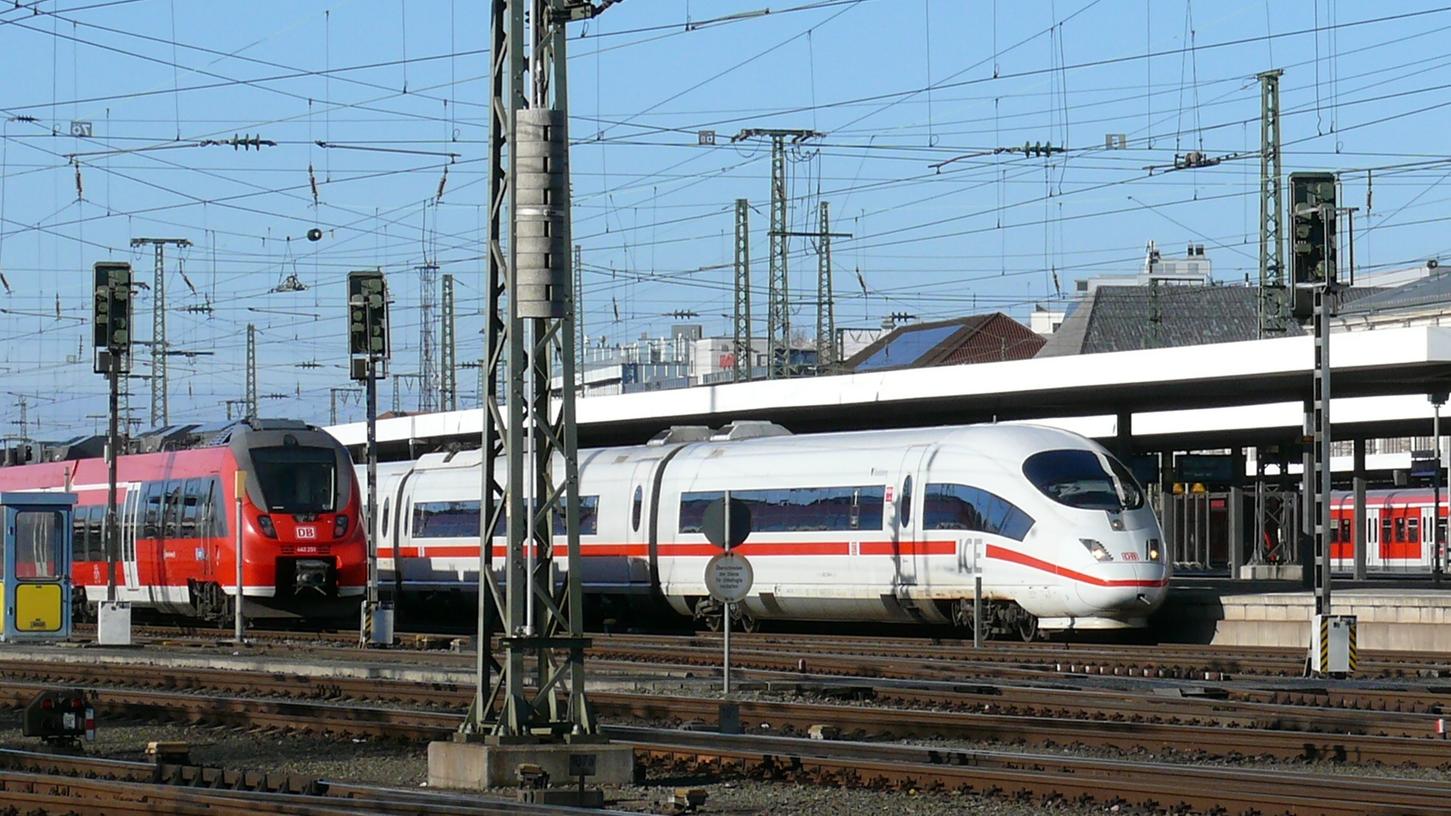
{"x": 304, "y": 546}
{"x": 1399, "y": 531}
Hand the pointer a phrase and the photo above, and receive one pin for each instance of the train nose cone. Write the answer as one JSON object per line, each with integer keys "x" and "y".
{"x": 1124, "y": 589}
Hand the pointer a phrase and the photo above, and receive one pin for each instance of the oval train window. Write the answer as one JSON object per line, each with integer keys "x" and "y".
{"x": 385, "y": 515}
{"x": 907, "y": 502}
{"x": 637, "y": 509}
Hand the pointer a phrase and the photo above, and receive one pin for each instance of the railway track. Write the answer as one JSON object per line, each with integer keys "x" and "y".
{"x": 857, "y": 764}
{"x": 35, "y": 783}
{"x": 1038, "y": 717}
{"x": 1169, "y": 661}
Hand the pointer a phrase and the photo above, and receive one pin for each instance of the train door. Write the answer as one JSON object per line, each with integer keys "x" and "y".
{"x": 1428, "y": 536}
{"x": 130, "y": 529}
{"x": 1379, "y": 553}
{"x": 908, "y": 562}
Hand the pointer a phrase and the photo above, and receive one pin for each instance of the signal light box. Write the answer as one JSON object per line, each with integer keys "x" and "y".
{"x": 111, "y": 315}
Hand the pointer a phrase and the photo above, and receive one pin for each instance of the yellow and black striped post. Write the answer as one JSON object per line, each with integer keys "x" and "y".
{"x": 1352, "y": 657}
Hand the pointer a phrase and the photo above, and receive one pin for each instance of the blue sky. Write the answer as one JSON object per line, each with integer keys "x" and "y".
{"x": 898, "y": 86}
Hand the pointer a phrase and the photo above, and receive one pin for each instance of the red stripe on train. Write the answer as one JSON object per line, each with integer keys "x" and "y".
{"x": 1005, "y": 554}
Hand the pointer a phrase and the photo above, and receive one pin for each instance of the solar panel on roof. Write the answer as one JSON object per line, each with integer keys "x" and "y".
{"x": 908, "y": 347}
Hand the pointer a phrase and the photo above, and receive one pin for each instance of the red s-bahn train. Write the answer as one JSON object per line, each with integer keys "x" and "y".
{"x": 304, "y": 546}
{"x": 1400, "y": 529}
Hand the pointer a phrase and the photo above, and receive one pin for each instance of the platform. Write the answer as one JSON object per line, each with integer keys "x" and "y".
{"x": 1394, "y": 617}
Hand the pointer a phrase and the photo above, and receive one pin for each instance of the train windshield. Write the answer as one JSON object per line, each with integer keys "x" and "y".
{"x": 297, "y": 480}
{"x": 1084, "y": 479}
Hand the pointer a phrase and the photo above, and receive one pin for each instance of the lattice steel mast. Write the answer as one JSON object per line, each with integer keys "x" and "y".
{"x": 251, "y": 396}
{"x": 448, "y": 351}
{"x": 1274, "y": 300}
{"x": 826, "y": 350}
{"x": 742, "y": 345}
{"x": 778, "y": 294}
{"x": 427, "y": 363}
{"x": 578, "y": 292}
{"x": 160, "y": 416}
{"x": 531, "y": 279}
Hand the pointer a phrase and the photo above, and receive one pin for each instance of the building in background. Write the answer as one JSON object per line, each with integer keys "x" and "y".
{"x": 974, "y": 339}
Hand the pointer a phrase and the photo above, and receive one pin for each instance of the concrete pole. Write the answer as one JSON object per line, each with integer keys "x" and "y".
{"x": 1358, "y": 525}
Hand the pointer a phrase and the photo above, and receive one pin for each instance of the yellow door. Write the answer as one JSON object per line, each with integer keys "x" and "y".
{"x": 38, "y": 608}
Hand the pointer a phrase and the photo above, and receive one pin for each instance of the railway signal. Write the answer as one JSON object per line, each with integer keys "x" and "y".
{"x": 367, "y": 349}
{"x": 1312, "y": 229}
{"x": 111, "y": 305}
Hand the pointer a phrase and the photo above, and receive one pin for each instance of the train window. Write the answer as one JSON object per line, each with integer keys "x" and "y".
{"x": 384, "y": 520}
{"x": 450, "y": 519}
{"x": 589, "y": 520}
{"x": 1345, "y": 530}
{"x": 297, "y": 480}
{"x": 1334, "y": 534}
{"x": 80, "y": 527}
{"x": 1413, "y": 529}
{"x": 907, "y": 501}
{"x": 1079, "y": 478}
{"x": 460, "y": 519}
{"x": 191, "y": 500}
{"x": 1385, "y": 530}
{"x": 960, "y": 507}
{"x": 95, "y": 533}
{"x": 37, "y": 543}
{"x": 151, "y": 497}
{"x": 637, "y": 508}
{"x": 221, "y": 510}
{"x": 98, "y": 533}
{"x": 795, "y": 509}
{"x": 171, "y": 509}
{"x": 1400, "y": 529}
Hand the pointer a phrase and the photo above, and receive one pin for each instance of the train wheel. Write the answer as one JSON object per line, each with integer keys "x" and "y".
{"x": 1028, "y": 628}
{"x": 1024, "y": 623}
{"x": 962, "y": 616}
{"x": 708, "y": 612}
{"x": 743, "y": 621}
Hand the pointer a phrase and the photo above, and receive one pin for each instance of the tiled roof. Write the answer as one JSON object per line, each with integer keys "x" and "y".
{"x": 1127, "y": 318}
{"x": 974, "y": 339}
{"x": 1431, "y": 291}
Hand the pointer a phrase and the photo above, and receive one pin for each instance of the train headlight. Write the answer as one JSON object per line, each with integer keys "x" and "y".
{"x": 265, "y": 522}
{"x": 340, "y": 526}
{"x": 1096, "y": 549}
{"x": 1156, "y": 550}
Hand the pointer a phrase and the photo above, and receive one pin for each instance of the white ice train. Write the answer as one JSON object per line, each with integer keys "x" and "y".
{"x": 882, "y": 526}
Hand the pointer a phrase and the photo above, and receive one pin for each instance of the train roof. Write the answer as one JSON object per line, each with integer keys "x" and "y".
{"x": 1020, "y": 439}
{"x": 166, "y": 438}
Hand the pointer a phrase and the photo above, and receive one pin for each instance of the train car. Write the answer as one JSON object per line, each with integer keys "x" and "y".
{"x": 881, "y": 526}
{"x": 1400, "y": 527}
{"x": 304, "y": 547}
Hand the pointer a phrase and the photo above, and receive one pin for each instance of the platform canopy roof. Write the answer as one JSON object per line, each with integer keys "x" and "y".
{"x": 1381, "y": 363}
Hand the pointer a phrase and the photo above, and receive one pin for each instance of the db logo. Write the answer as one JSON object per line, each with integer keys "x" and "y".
{"x": 307, "y": 532}
{"x": 1130, "y": 556}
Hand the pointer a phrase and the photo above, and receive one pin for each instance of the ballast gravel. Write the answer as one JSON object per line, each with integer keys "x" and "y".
{"x": 405, "y": 765}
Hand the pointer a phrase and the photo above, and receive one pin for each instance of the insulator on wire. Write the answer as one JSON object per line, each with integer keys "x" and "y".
{"x": 443, "y": 180}
{"x": 312, "y": 180}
